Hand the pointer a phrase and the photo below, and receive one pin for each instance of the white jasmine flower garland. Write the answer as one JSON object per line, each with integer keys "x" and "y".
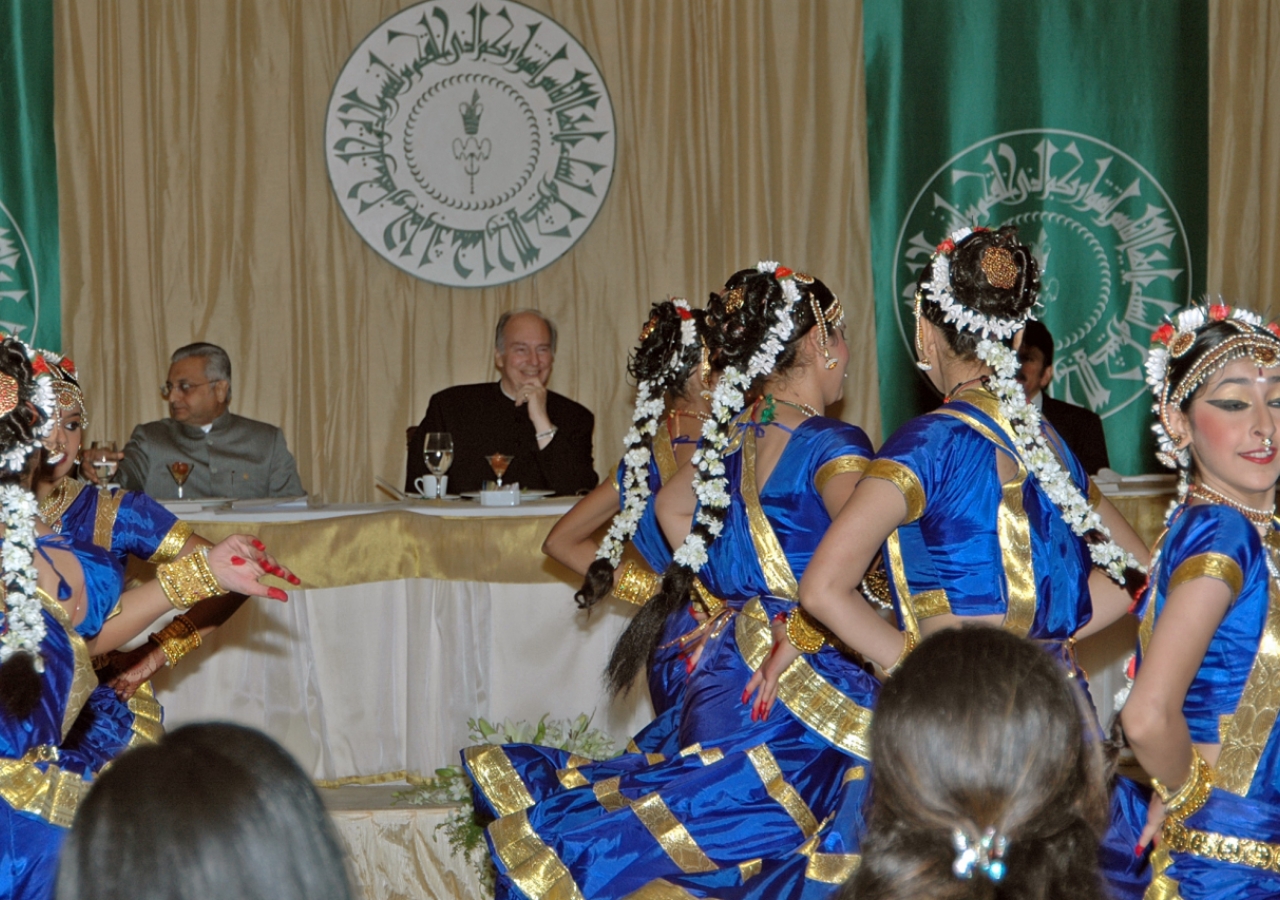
{"x": 1036, "y": 454}
{"x": 24, "y": 621}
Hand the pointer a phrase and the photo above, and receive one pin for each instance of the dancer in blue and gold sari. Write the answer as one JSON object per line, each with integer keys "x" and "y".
{"x": 1201, "y": 714}
{"x": 979, "y": 510}
{"x": 747, "y": 795}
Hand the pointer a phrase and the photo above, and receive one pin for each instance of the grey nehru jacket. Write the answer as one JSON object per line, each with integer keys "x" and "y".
{"x": 239, "y": 458}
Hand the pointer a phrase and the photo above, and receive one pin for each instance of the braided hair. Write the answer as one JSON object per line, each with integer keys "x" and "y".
{"x": 671, "y": 346}
{"x": 754, "y": 331}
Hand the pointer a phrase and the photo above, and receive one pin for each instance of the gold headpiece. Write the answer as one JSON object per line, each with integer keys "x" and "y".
{"x": 67, "y": 392}
{"x": 998, "y": 265}
{"x": 8, "y": 394}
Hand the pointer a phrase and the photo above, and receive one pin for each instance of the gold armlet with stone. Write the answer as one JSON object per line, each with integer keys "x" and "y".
{"x": 189, "y": 580}
{"x": 637, "y": 584}
{"x": 909, "y": 643}
{"x": 1193, "y": 794}
{"x": 177, "y": 639}
{"x": 803, "y": 632}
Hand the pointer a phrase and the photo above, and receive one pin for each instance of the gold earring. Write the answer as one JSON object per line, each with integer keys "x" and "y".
{"x": 922, "y": 361}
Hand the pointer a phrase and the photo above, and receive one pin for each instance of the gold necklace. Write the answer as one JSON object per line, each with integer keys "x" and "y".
{"x": 688, "y": 413}
{"x": 1208, "y": 494}
{"x": 805, "y": 408}
{"x": 52, "y": 507}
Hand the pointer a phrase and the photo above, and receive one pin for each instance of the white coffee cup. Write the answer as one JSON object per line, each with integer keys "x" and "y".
{"x": 426, "y": 485}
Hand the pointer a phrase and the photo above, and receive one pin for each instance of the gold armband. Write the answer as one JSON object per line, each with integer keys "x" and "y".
{"x": 909, "y": 643}
{"x": 189, "y": 580}
{"x": 1193, "y": 794}
{"x": 177, "y": 639}
{"x": 637, "y": 584}
{"x": 803, "y": 632}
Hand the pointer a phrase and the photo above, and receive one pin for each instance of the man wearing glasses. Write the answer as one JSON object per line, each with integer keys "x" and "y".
{"x": 229, "y": 455}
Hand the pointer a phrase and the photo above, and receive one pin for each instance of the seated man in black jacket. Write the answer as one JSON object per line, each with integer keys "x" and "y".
{"x": 1080, "y": 428}
{"x": 547, "y": 435}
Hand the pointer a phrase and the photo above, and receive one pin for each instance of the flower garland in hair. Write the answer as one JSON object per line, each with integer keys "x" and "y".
{"x": 1072, "y": 505}
{"x": 939, "y": 290}
{"x": 710, "y": 483}
{"x": 24, "y": 622}
{"x": 639, "y": 441}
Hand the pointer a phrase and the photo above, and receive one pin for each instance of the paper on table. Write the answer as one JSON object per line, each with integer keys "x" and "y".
{"x": 390, "y": 488}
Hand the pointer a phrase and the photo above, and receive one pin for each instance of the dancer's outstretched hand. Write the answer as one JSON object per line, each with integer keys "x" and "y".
{"x": 241, "y": 561}
{"x": 130, "y": 669}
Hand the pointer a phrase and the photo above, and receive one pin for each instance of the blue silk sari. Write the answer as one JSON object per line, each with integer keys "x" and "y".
{"x": 124, "y": 523}
{"x": 732, "y": 812}
{"x": 974, "y": 546}
{"x": 40, "y": 789}
{"x": 1232, "y": 701}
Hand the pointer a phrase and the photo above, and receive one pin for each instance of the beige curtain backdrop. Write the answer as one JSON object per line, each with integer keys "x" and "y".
{"x": 195, "y": 205}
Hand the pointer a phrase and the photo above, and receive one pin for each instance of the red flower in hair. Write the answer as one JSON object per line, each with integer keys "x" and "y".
{"x": 782, "y": 272}
{"x": 39, "y": 365}
{"x": 977, "y": 228}
{"x": 947, "y": 247}
{"x": 684, "y": 313}
{"x": 1218, "y": 312}
{"x": 1163, "y": 334}
{"x": 68, "y": 366}
{"x": 1273, "y": 328}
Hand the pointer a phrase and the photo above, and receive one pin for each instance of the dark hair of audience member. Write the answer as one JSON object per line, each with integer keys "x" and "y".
{"x": 20, "y": 683}
{"x": 982, "y": 729}
{"x": 666, "y": 364}
{"x": 971, "y": 287}
{"x": 213, "y": 812}
{"x": 737, "y": 322}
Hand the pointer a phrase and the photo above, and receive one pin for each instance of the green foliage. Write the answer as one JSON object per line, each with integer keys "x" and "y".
{"x": 451, "y": 787}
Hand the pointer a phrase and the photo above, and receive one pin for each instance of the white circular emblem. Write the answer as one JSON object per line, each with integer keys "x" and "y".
{"x": 1112, "y": 249}
{"x": 19, "y": 283}
{"x": 470, "y": 143}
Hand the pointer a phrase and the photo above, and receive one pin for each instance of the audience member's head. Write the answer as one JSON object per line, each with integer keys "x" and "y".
{"x": 199, "y": 385}
{"x": 986, "y": 782}
{"x": 524, "y": 348}
{"x": 213, "y": 812}
{"x": 1035, "y": 358}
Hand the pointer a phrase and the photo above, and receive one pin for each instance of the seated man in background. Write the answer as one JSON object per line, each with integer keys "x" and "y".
{"x": 547, "y": 435}
{"x": 1080, "y": 428}
{"x": 229, "y": 456}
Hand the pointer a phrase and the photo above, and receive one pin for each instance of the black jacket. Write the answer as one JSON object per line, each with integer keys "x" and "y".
{"x": 483, "y": 420}
{"x": 1082, "y": 431}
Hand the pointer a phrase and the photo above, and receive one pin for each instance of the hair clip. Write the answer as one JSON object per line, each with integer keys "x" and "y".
{"x": 998, "y": 265}
{"x": 985, "y": 854}
{"x": 733, "y": 299}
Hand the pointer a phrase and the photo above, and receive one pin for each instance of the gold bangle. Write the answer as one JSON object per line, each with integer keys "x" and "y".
{"x": 1192, "y": 795}
{"x": 189, "y": 580}
{"x": 177, "y": 639}
{"x": 636, "y": 585}
{"x": 803, "y": 632}
{"x": 908, "y": 644}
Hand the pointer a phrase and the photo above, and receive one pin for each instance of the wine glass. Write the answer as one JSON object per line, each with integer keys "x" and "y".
{"x": 180, "y": 470}
{"x": 499, "y": 463}
{"x": 438, "y": 451}
{"x": 101, "y": 455}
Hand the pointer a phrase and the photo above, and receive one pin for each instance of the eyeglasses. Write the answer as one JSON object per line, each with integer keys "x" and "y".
{"x": 183, "y": 387}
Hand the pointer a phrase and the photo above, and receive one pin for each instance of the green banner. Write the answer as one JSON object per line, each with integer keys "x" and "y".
{"x": 1085, "y": 124}
{"x": 29, "y": 282}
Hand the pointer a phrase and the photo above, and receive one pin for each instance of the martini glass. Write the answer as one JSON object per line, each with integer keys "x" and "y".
{"x": 180, "y": 470}
{"x": 499, "y": 462}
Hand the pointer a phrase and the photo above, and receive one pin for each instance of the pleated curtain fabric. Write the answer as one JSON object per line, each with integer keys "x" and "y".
{"x": 194, "y": 204}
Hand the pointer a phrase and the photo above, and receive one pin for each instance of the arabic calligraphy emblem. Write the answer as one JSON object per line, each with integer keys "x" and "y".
{"x": 1112, "y": 249}
{"x": 19, "y": 284}
{"x": 470, "y": 143}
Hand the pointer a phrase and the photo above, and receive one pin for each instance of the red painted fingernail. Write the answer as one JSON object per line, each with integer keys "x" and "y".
{"x": 1137, "y": 849}
{"x": 294, "y": 579}
{"x": 237, "y": 561}
{"x": 745, "y": 695}
{"x": 277, "y": 594}
{"x": 688, "y": 665}
{"x": 257, "y": 543}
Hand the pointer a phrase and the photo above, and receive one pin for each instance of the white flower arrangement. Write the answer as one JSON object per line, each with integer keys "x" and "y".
{"x": 940, "y": 291}
{"x": 24, "y": 620}
{"x": 1037, "y": 456}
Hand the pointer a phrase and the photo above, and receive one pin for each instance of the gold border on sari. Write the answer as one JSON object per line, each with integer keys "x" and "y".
{"x": 83, "y": 678}
{"x": 904, "y": 480}
{"x": 664, "y": 453}
{"x": 784, "y": 794}
{"x": 810, "y": 697}
{"x": 609, "y": 795}
{"x": 828, "y": 868}
{"x": 531, "y": 864}
{"x": 148, "y": 723}
{"x": 660, "y": 889}
{"x": 671, "y": 835}
{"x": 1208, "y": 565}
{"x": 172, "y": 544}
{"x": 104, "y": 522}
{"x": 778, "y": 576}
{"x": 497, "y": 779}
{"x": 931, "y": 603}
{"x": 571, "y": 778}
{"x": 750, "y": 869}
{"x": 1162, "y": 887}
{"x": 1255, "y": 714}
{"x": 50, "y": 793}
{"x": 841, "y": 465}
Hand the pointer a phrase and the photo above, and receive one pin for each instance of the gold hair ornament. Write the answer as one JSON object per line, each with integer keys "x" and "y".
{"x": 922, "y": 361}
{"x": 998, "y": 265}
